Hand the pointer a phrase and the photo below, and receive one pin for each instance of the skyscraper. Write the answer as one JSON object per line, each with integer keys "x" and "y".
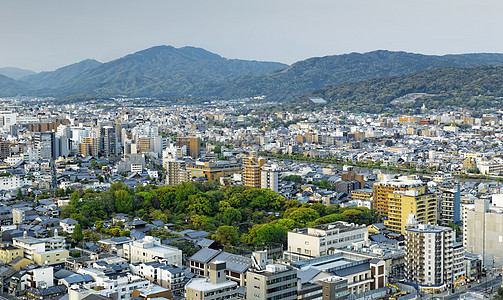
{"x": 432, "y": 257}
{"x": 46, "y": 144}
{"x": 108, "y": 141}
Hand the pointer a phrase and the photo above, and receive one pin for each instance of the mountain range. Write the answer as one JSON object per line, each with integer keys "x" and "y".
{"x": 168, "y": 72}
{"x": 15, "y": 73}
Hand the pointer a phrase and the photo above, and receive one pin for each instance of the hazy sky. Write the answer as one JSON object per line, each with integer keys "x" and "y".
{"x": 47, "y": 34}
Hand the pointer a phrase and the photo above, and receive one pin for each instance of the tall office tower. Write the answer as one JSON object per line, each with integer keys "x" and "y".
{"x": 45, "y": 143}
{"x": 252, "y": 167}
{"x": 4, "y": 149}
{"x": 175, "y": 172}
{"x": 483, "y": 230}
{"x": 108, "y": 141}
{"x": 64, "y": 145}
{"x": 269, "y": 178}
{"x": 432, "y": 257}
{"x": 381, "y": 190}
{"x": 192, "y": 144}
{"x": 88, "y": 146}
{"x": 416, "y": 200}
{"x": 118, "y": 135}
{"x": 159, "y": 145}
{"x": 450, "y": 206}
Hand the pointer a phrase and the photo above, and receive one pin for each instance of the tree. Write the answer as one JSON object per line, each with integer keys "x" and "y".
{"x": 227, "y": 235}
{"x": 231, "y": 216}
{"x": 123, "y": 201}
{"x": 266, "y": 234}
{"x": 19, "y": 195}
{"x": 77, "y": 234}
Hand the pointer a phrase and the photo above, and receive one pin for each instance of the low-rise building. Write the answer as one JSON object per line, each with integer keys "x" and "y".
{"x": 306, "y": 243}
{"x": 275, "y": 282}
{"x": 52, "y": 257}
{"x": 212, "y": 288}
{"x": 9, "y": 252}
{"x": 151, "y": 249}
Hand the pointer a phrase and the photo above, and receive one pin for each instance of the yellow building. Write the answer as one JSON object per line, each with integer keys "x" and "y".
{"x": 88, "y": 146}
{"x": 383, "y": 188}
{"x": 417, "y": 201}
{"x": 362, "y": 194}
{"x": 9, "y": 252}
{"x": 469, "y": 163}
{"x": 252, "y": 167}
{"x": 51, "y": 257}
{"x": 213, "y": 170}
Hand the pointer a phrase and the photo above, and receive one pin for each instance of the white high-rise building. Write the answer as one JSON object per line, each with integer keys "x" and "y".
{"x": 432, "y": 257}
{"x": 483, "y": 231}
{"x": 269, "y": 178}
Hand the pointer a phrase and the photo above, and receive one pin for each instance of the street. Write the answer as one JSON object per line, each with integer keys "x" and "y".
{"x": 479, "y": 288}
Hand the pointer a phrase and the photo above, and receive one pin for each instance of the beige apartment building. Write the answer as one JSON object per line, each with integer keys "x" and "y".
{"x": 483, "y": 232}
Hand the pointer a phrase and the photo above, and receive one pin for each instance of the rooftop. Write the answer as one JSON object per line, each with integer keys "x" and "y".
{"x": 205, "y": 285}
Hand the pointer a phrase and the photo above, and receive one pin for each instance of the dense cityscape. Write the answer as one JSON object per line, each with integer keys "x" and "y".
{"x": 131, "y": 198}
{"x": 251, "y": 150}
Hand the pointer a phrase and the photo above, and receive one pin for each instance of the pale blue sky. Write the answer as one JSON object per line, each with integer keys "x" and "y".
{"x": 47, "y": 34}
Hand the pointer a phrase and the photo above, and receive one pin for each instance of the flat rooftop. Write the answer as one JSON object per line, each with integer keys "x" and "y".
{"x": 205, "y": 285}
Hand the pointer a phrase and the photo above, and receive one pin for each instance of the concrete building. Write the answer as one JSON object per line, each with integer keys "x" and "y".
{"x": 9, "y": 252}
{"x": 212, "y": 288}
{"x": 176, "y": 172}
{"x": 212, "y": 170}
{"x": 269, "y": 178}
{"x": 483, "y": 232}
{"x": 52, "y": 257}
{"x": 450, "y": 206}
{"x": 416, "y": 200}
{"x": 68, "y": 225}
{"x": 165, "y": 275}
{"x": 191, "y": 143}
{"x": 306, "y": 243}
{"x": 46, "y": 144}
{"x": 32, "y": 245}
{"x": 382, "y": 189}
{"x": 430, "y": 256}
{"x": 362, "y": 275}
{"x": 275, "y": 282}
{"x": 334, "y": 288}
{"x": 252, "y": 167}
{"x": 88, "y": 146}
{"x": 151, "y": 249}
{"x": 108, "y": 141}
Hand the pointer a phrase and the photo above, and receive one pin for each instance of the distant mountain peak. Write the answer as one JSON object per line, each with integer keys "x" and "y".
{"x": 15, "y": 73}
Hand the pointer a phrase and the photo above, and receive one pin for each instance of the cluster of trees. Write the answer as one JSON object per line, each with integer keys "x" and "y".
{"x": 236, "y": 214}
{"x": 473, "y": 88}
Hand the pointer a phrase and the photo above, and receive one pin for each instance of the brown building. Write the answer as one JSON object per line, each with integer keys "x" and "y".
{"x": 351, "y": 175}
{"x": 144, "y": 144}
{"x": 192, "y": 144}
{"x": 88, "y": 146}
